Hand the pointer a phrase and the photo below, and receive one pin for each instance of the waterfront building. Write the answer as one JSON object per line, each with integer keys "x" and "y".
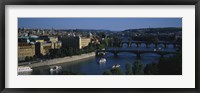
{"x": 29, "y": 39}
{"x": 53, "y": 39}
{"x": 42, "y": 48}
{"x": 34, "y": 39}
{"x": 55, "y": 43}
{"x": 45, "y": 38}
{"x": 24, "y": 39}
{"x": 42, "y": 43}
{"x": 84, "y": 42}
{"x": 70, "y": 42}
{"x": 25, "y": 50}
{"x": 74, "y": 42}
{"x": 45, "y": 47}
{"x": 39, "y": 40}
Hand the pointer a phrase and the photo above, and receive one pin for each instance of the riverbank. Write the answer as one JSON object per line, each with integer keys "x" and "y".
{"x": 61, "y": 60}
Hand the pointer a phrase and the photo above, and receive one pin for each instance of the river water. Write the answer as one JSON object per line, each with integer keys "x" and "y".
{"x": 90, "y": 66}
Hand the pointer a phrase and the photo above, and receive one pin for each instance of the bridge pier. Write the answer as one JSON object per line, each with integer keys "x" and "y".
{"x": 115, "y": 54}
{"x": 147, "y": 45}
{"x": 156, "y": 45}
{"x": 120, "y": 45}
{"x": 129, "y": 45}
{"x": 138, "y": 45}
{"x": 165, "y": 45}
{"x": 138, "y": 56}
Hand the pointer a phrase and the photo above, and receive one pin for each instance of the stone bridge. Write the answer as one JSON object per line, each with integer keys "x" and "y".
{"x": 137, "y": 52}
{"x": 138, "y": 43}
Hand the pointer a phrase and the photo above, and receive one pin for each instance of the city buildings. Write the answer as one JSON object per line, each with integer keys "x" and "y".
{"x": 38, "y": 46}
{"x": 76, "y": 42}
{"x": 70, "y": 42}
{"x": 84, "y": 42}
{"x": 55, "y": 43}
{"x": 25, "y": 50}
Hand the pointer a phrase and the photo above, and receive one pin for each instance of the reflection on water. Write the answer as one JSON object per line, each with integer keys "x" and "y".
{"x": 90, "y": 66}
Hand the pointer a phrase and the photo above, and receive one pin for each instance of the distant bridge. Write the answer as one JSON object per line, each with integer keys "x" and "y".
{"x": 138, "y": 43}
{"x": 137, "y": 52}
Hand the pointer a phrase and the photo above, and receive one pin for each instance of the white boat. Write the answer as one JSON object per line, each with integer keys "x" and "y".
{"x": 102, "y": 60}
{"x": 116, "y": 66}
{"x": 24, "y": 69}
{"x": 55, "y": 68}
{"x": 101, "y": 54}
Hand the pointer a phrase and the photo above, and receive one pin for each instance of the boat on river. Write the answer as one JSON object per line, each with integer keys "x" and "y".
{"x": 55, "y": 68}
{"x": 102, "y": 60}
{"x": 24, "y": 69}
{"x": 116, "y": 66}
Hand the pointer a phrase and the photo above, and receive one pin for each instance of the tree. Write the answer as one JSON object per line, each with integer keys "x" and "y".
{"x": 171, "y": 66}
{"x": 137, "y": 69}
{"x": 30, "y": 58}
{"x": 155, "y": 40}
{"x": 27, "y": 58}
{"x": 34, "y": 57}
{"x": 103, "y": 34}
{"x": 70, "y": 51}
{"x": 116, "y": 41}
{"x": 107, "y": 72}
{"x": 59, "y": 53}
{"x": 151, "y": 69}
{"x": 116, "y": 71}
{"x": 52, "y": 53}
{"x": 106, "y": 41}
{"x": 129, "y": 70}
{"x": 101, "y": 46}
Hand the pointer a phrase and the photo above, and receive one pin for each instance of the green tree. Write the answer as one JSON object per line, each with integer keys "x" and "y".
{"x": 129, "y": 70}
{"x": 30, "y": 58}
{"x": 171, "y": 66}
{"x": 151, "y": 69}
{"x": 70, "y": 51}
{"x": 106, "y": 41}
{"x": 101, "y": 46}
{"x": 34, "y": 57}
{"x": 116, "y": 71}
{"x": 138, "y": 66}
{"x": 27, "y": 58}
{"x": 51, "y": 53}
{"x": 155, "y": 40}
{"x": 59, "y": 53}
{"x": 107, "y": 72}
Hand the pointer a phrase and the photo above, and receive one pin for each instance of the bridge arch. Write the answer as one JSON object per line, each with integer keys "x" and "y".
{"x": 124, "y": 44}
{"x": 126, "y": 52}
{"x": 158, "y": 54}
{"x": 133, "y": 44}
